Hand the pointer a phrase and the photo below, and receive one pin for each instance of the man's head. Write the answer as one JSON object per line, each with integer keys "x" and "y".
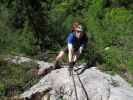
{"x": 74, "y": 26}
{"x": 79, "y": 31}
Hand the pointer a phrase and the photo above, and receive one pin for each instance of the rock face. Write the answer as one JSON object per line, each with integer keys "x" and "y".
{"x": 84, "y": 84}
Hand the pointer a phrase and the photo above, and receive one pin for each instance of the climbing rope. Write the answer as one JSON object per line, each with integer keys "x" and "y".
{"x": 74, "y": 83}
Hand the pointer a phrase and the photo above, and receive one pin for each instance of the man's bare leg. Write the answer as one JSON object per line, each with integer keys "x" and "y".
{"x": 47, "y": 70}
{"x": 59, "y": 57}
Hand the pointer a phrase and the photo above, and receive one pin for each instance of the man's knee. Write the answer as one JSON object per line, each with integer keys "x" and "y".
{"x": 61, "y": 54}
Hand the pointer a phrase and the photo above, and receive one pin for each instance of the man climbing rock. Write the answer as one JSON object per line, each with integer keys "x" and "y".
{"x": 75, "y": 44}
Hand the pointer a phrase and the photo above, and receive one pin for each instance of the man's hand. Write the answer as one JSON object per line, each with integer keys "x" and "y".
{"x": 76, "y": 56}
{"x": 81, "y": 49}
{"x": 71, "y": 64}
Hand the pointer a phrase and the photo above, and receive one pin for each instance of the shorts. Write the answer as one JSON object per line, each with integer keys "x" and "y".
{"x": 65, "y": 50}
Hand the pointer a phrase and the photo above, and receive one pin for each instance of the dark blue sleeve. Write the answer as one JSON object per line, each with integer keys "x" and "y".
{"x": 84, "y": 41}
{"x": 83, "y": 44}
{"x": 70, "y": 38}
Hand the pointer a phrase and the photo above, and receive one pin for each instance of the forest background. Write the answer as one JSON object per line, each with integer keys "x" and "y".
{"x": 37, "y": 29}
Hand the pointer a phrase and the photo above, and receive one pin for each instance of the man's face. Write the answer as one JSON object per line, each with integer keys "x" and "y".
{"x": 79, "y": 34}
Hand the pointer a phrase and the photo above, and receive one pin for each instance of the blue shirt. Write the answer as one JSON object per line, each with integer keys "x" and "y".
{"x": 72, "y": 39}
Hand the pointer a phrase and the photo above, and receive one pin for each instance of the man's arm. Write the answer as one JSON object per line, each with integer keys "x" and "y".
{"x": 70, "y": 52}
{"x": 83, "y": 44}
{"x": 77, "y": 54}
{"x": 81, "y": 49}
{"x": 70, "y": 40}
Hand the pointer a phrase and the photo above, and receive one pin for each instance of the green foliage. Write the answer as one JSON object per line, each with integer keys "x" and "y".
{"x": 90, "y": 16}
{"x": 19, "y": 42}
{"x": 2, "y": 89}
{"x": 28, "y": 27}
{"x": 12, "y": 38}
{"x": 118, "y": 32}
{"x": 116, "y": 3}
{"x": 18, "y": 76}
{"x": 119, "y": 20}
{"x": 25, "y": 41}
{"x": 130, "y": 66}
{"x": 114, "y": 57}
